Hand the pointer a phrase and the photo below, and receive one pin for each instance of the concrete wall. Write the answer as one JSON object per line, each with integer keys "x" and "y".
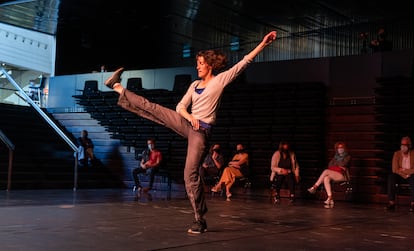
{"x": 62, "y": 88}
{"x": 346, "y": 76}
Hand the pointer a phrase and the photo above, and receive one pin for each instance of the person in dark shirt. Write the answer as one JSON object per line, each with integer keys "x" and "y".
{"x": 381, "y": 43}
{"x": 86, "y": 154}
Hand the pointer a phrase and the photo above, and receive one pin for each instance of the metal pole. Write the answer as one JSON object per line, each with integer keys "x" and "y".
{"x": 75, "y": 178}
{"x": 10, "y": 169}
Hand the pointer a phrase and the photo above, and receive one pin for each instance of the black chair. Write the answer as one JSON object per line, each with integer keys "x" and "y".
{"x": 90, "y": 88}
{"x": 134, "y": 84}
{"x": 244, "y": 182}
{"x": 344, "y": 187}
{"x": 400, "y": 188}
{"x": 165, "y": 176}
{"x": 181, "y": 83}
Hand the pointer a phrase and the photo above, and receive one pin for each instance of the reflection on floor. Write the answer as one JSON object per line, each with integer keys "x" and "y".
{"x": 120, "y": 220}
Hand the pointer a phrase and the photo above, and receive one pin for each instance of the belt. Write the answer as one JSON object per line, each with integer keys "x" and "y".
{"x": 204, "y": 125}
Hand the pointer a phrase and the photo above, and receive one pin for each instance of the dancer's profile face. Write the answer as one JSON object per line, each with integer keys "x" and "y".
{"x": 203, "y": 69}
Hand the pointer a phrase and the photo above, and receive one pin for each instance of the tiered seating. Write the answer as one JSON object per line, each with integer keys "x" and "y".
{"x": 42, "y": 160}
{"x": 261, "y": 115}
{"x": 257, "y": 115}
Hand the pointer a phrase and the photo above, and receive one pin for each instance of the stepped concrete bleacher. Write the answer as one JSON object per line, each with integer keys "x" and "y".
{"x": 257, "y": 115}
{"x": 43, "y": 160}
{"x": 261, "y": 115}
{"x": 298, "y": 112}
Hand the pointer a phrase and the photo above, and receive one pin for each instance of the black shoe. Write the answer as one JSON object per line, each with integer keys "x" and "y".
{"x": 114, "y": 78}
{"x": 276, "y": 199}
{"x": 198, "y": 227}
{"x": 292, "y": 200}
{"x": 390, "y": 207}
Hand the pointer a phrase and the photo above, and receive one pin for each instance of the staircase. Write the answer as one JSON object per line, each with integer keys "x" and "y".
{"x": 43, "y": 160}
{"x": 113, "y": 159}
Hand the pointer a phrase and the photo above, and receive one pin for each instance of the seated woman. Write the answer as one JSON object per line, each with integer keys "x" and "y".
{"x": 238, "y": 167}
{"x": 212, "y": 164}
{"x": 338, "y": 170}
{"x": 86, "y": 154}
{"x": 284, "y": 167}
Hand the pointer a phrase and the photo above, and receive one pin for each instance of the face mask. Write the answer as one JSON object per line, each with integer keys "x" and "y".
{"x": 404, "y": 148}
{"x": 240, "y": 151}
{"x": 341, "y": 150}
{"x": 150, "y": 146}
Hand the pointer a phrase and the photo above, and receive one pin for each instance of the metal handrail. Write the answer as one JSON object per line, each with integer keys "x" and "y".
{"x": 48, "y": 120}
{"x": 11, "y": 147}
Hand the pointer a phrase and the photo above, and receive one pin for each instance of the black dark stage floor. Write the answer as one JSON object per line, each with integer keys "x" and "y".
{"x": 118, "y": 220}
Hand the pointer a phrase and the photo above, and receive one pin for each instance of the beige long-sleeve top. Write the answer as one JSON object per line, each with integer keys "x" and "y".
{"x": 204, "y": 106}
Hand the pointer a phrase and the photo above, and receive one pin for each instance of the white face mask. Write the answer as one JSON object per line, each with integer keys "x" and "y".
{"x": 341, "y": 150}
{"x": 404, "y": 148}
{"x": 150, "y": 146}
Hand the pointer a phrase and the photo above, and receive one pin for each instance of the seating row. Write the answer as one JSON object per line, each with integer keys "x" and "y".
{"x": 258, "y": 116}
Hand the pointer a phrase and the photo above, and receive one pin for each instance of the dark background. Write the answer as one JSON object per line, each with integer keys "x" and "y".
{"x": 92, "y": 33}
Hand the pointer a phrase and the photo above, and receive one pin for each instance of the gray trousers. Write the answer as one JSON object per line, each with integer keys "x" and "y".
{"x": 196, "y": 143}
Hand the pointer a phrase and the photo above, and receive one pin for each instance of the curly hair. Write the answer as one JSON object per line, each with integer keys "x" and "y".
{"x": 340, "y": 143}
{"x": 216, "y": 59}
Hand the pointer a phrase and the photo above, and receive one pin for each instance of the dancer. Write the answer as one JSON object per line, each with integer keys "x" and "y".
{"x": 203, "y": 95}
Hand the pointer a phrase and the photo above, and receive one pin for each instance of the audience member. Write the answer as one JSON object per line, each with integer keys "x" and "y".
{"x": 363, "y": 36}
{"x": 381, "y": 43}
{"x": 32, "y": 93}
{"x": 103, "y": 68}
{"x": 337, "y": 171}
{"x": 86, "y": 154}
{"x": 238, "y": 167}
{"x": 150, "y": 162}
{"x": 284, "y": 166}
{"x": 212, "y": 164}
{"x": 402, "y": 171}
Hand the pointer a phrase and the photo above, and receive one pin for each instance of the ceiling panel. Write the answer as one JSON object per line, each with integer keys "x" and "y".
{"x": 82, "y": 26}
